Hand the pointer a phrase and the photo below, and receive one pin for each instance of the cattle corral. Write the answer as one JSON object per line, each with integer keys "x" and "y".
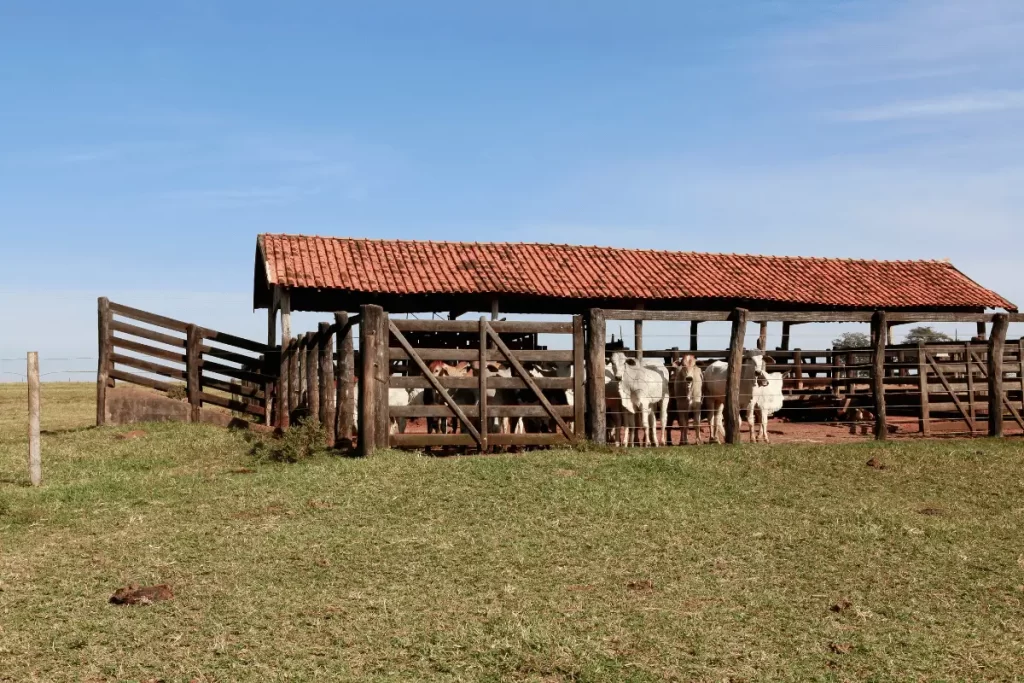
{"x": 491, "y": 382}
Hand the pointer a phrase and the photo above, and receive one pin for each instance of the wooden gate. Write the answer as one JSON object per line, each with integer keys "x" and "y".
{"x": 954, "y": 380}
{"x": 486, "y": 406}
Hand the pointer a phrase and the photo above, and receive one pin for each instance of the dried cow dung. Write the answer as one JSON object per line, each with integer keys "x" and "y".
{"x": 144, "y": 595}
{"x": 876, "y": 464}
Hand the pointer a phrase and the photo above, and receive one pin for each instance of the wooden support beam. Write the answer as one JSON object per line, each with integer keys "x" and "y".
{"x": 878, "y": 327}
{"x": 373, "y": 379}
{"x": 762, "y": 337}
{"x": 922, "y": 372}
{"x": 103, "y": 367}
{"x": 996, "y": 346}
{"x": 694, "y": 324}
{"x": 285, "y": 304}
{"x": 312, "y": 376}
{"x": 494, "y": 308}
{"x": 638, "y": 338}
{"x": 596, "y": 410}
{"x": 346, "y": 373}
{"x": 733, "y": 430}
{"x": 193, "y": 366}
{"x": 482, "y": 377}
{"x": 798, "y": 368}
{"x": 981, "y": 330}
{"x": 294, "y": 374}
{"x": 971, "y": 394}
{"x": 328, "y": 392}
{"x": 786, "y": 326}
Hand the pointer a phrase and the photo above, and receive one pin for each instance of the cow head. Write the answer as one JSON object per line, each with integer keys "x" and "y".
{"x": 759, "y": 362}
{"x": 687, "y": 368}
{"x": 619, "y": 363}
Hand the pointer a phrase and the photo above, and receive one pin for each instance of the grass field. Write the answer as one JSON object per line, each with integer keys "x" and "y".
{"x": 702, "y": 563}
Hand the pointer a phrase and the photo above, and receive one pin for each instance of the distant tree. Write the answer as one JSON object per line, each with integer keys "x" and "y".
{"x": 852, "y": 340}
{"x": 925, "y": 335}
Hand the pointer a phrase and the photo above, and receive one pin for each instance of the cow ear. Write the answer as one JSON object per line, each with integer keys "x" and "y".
{"x": 631, "y": 361}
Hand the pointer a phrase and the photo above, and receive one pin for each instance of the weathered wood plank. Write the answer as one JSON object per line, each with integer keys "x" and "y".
{"x": 508, "y": 326}
{"x": 234, "y": 388}
{"x": 878, "y": 327}
{"x": 147, "y": 366}
{"x": 346, "y": 373}
{"x": 231, "y": 404}
{"x": 579, "y": 372}
{"x": 418, "y": 382}
{"x": 146, "y": 317}
{"x": 209, "y": 366}
{"x": 132, "y": 378}
{"x": 232, "y": 340}
{"x": 373, "y": 411}
{"x": 163, "y": 354}
{"x": 413, "y": 411}
{"x": 328, "y": 392}
{"x": 438, "y": 440}
{"x": 952, "y": 394}
{"x": 472, "y": 355}
{"x": 144, "y": 333}
{"x": 922, "y": 380}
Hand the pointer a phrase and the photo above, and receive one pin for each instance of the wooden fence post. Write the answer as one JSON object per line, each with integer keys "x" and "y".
{"x": 762, "y": 337}
{"x": 1020, "y": 370}
{"x": 346, "y": 371}
{"x": 798, "y": 368}
{"x": 786, "y": 328}
{"x": 693, "y": 334}
{"x": 972, "y": 399}
{"x": 193, "y": 372}
{"x": 283, "y": 385}
{"x": 922, "y": 371}
{"x": 996, "y": 347}
{"x": 733, "y": 427}
{"x": 294, "y": 373}
{"x": 312, "y": 376}
{"x": 35, "y": 462}
{"x": 878, "y": 373}
{"x": 596, "y": 410}
{"x": 373, "y": 380}
{"x": 482, "y": 376}
{"x": 328, "y": 391}
{"x": 578, "y": 373}
{"x": 981, "y": 330}
{"x": 638, "y": 338}
{"x": 103, "y": 367}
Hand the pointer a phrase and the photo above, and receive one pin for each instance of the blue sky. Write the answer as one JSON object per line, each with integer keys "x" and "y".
{"x": 144, "y": 145}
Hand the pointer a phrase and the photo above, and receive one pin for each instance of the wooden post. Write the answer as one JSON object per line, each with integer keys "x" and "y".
{"x": 482, "y": 373}
{"x": 638, "y": 338}
{"x": 971, "y": 398}
{"x": 313, "y": 376}
{"x": 762, "y": 337}
{"x": 193, "y": 370}
{"x": 693, "y": 334}
{"x": 328, "y": 392}
{"x": 272, "y": 390}
{"x": 285, "y": 304}
{"x": 295, "y": 355}
{"x": 996, "y": 347}
{"x": 981, "y": 329}
{"x": 35, "y": 462}
{"x": 578, "y": 373}
{"x": 283, "y": 385}
{"x": 733, "y": 427}
{"x": 494, "y": 309}
{"x": 373, "y": 380}
{"x": 346, "y": 371}
{"x": 922, "y": 371}
{"x": 878, "y": 324}
{"x": 798, "y": 368}
{"x": 103, "y": 367}
{"x": 786, "y": 326}
{"x": 596, "y": 430}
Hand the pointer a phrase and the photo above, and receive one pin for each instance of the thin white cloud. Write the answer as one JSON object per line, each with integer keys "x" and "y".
{"x": 955, "y": 105}
{"x": 244, "y": 196}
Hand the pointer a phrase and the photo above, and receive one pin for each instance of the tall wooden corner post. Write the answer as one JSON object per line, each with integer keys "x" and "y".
{"x": 346, "y": 372}
{"x": 733, "y": 426}
{"x": 996, "y": 346}
{"x": 103, "y": 368}
{"x": 878, "y": 335}
{"x": 596, "y": 410}
{"x": 373, "y": 385}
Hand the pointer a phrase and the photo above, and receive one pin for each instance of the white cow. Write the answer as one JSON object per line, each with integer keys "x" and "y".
{"x": 716, "y": 377}
{"x": 398, "y": 397}
{"x": 688, "y": 388}
{"x": 617, "y": 425}
{"x": 642, "y": 387}
{"x": 767, "y": 400}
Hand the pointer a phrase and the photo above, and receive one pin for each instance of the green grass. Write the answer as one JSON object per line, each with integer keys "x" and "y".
{"x": 705, "y": 563}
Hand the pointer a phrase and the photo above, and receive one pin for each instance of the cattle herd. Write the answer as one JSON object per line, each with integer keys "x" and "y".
{"x": 642, "y": 398}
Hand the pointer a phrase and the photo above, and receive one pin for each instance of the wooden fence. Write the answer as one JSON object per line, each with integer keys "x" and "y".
{"x": 214, "y": 368}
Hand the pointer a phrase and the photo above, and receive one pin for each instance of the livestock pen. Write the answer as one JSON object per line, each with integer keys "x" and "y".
{"x": 490, "y": 381}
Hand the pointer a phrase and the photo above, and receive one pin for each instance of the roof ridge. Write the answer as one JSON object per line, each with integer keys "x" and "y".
{"x": 642, "y": 250}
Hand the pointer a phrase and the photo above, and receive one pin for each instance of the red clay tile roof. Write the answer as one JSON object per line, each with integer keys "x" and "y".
{"x": 582, "y": 272}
